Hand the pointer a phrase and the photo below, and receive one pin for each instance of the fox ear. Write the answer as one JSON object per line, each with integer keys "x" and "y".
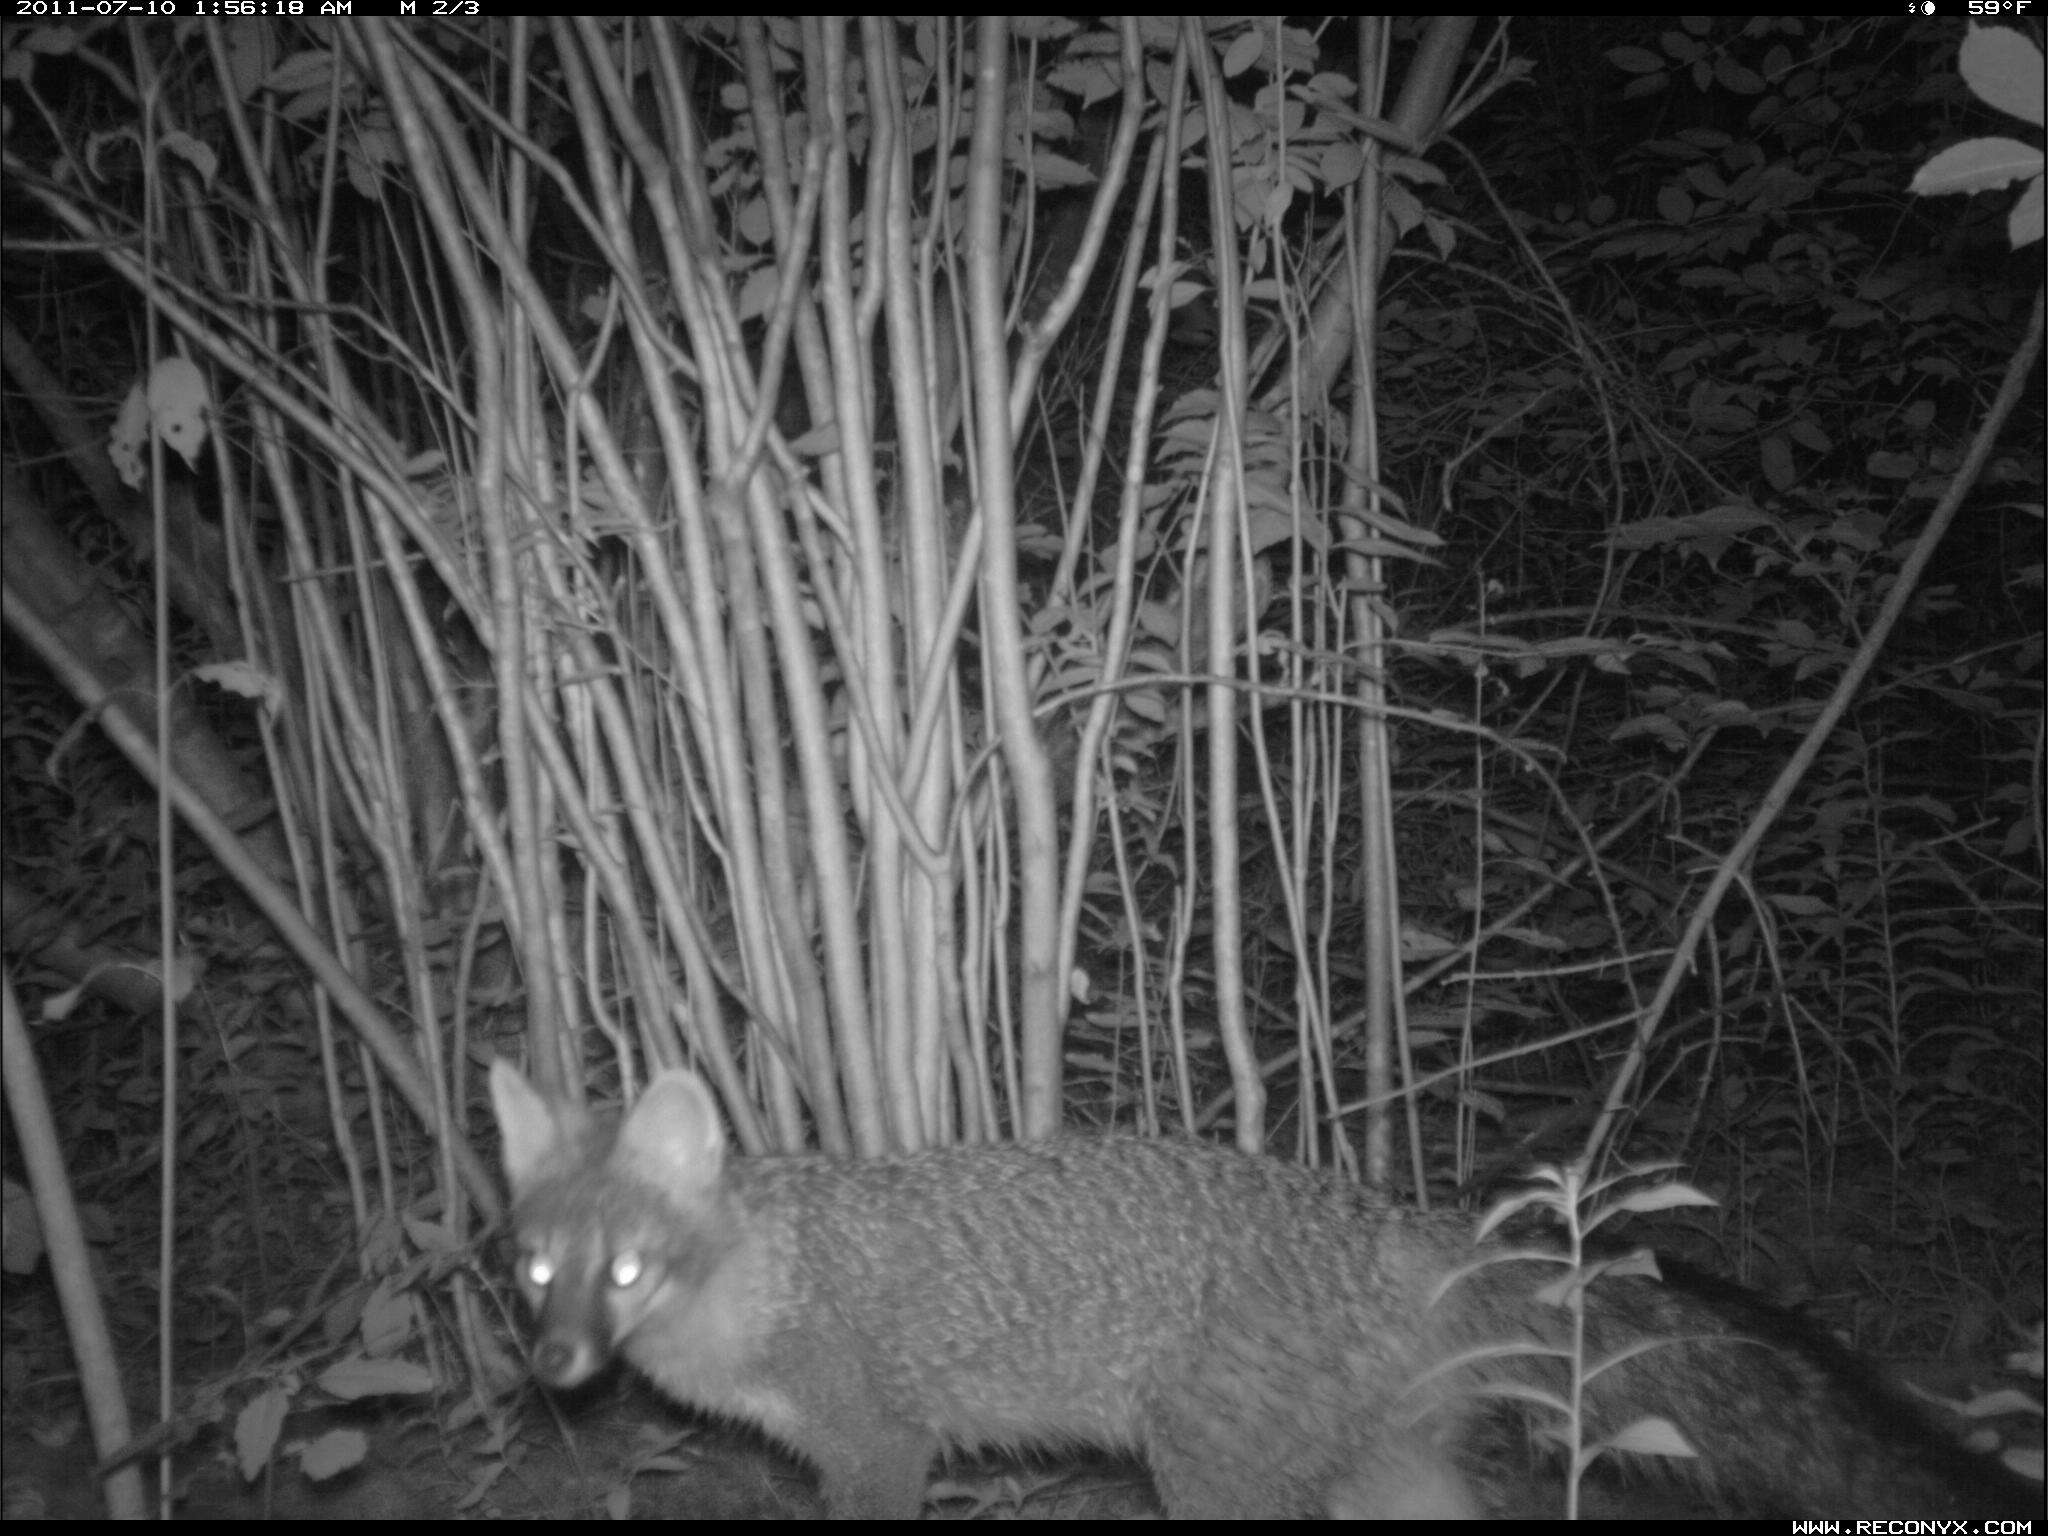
{"x": 675, "y": 1128}
{"x": 532, "y": 1131}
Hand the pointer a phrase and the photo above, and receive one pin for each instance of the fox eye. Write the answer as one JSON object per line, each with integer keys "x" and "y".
{"x": 540, "y": 1269}
{"x": 627, "y": 1268}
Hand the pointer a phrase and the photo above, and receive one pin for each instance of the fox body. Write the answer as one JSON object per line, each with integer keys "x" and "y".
{"x": 1271, "y": 1340}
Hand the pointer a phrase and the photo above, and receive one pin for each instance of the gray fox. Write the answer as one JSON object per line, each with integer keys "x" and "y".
{"x": 1272, "y": 1340}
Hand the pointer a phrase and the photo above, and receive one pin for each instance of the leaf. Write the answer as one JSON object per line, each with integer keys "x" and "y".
{"x": 246, "y": 679}
{"x": 1243, "y": 53}
{"x": 1977, "y": 165}
{"x": 1650, "y": 1437}
{"x": 1636, "y": 61}
{"x": 256, "y": 1430}
{"x": 2004, "y": 69}
{"x": 1720, "y": 524}
{"x": 1057, "y": 172}
{"x": 338, "y": 1450}
{"x": 1775, "y": 456}
{"x": 359, "y": 1377}
{"x": 1661, "y": 1197}
{"x": 21, "y": 1233}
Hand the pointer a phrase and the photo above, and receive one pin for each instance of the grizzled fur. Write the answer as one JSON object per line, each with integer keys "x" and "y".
{"x": 1272, "y": 1341}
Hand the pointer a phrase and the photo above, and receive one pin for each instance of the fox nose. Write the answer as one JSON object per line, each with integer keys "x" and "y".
{"x": 564, "y": 1360}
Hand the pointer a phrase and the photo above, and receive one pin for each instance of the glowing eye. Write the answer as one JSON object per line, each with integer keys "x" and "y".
{"x": 540, "y": 1269}
{"x": 627, "y": 1268}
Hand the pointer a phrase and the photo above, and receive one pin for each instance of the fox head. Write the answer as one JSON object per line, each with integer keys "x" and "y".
{"x": 609, "y": 1224}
